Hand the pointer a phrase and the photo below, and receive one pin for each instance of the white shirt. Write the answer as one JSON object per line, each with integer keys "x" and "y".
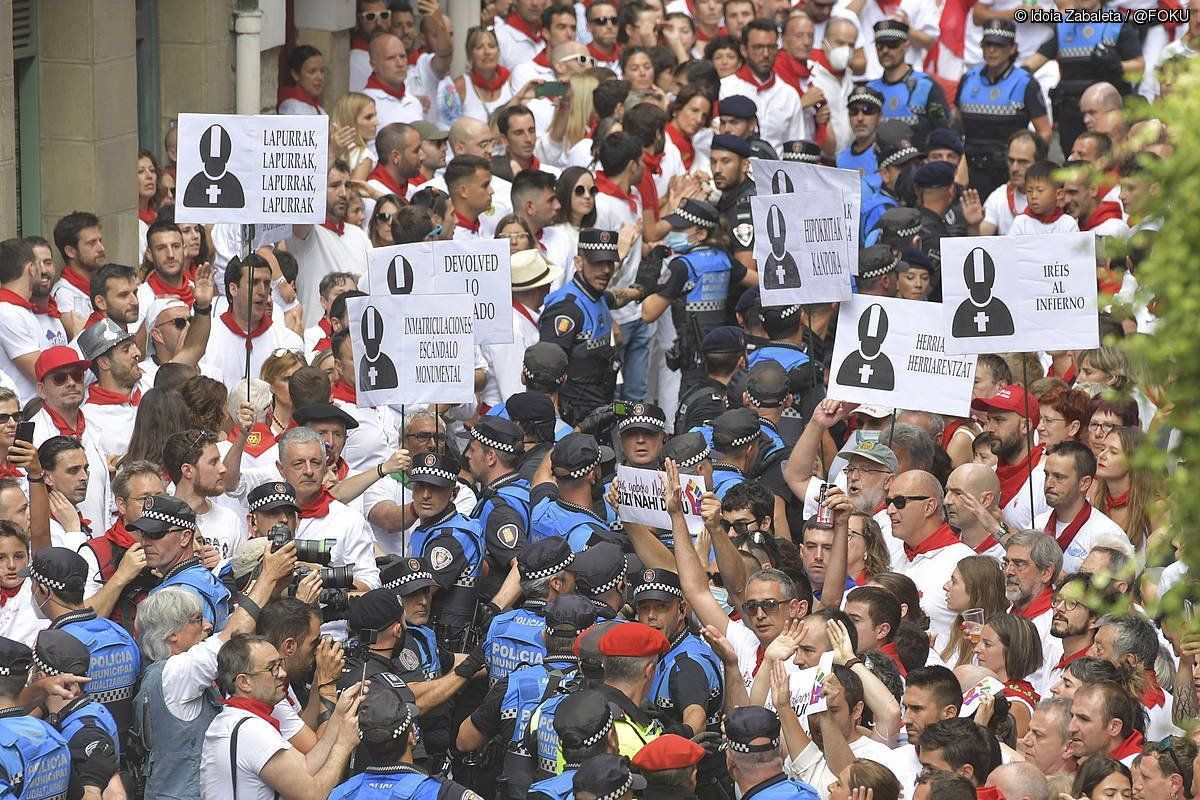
{"x": 389, "y": 109}
{"x": 321, "y": 253}
{"x": 226, "y": 352}
{"x": 810, "y": 765}
{"x": 294, "y": 107}
{"x": 373, "y": 440}
{"x": 501, "y": 203}
{"x": 353, "y": 541}
{"x": 113, "y": 426}
{"x": 360, "y": 68}
{"x": 21, "y": 334}
{"x": 930, "y": 571}
{"x": 71, "y": 300}
{"x": 97, "y": 503}
{"x": 504, "y": 361}
{"x": 784, "y": 122}
{"x": 257, "y": 743}
{"x": 1017, "y": 510}
{"x": 19, "y": 619}
{"x": 1030, "y": 35}
{"x": 1025, "y": 225}
{"x": 612, "y": 213}
{"x": 395, "y": 542}
{"x": 515, "y": 46}
{"x": 287, "y": 714}
{"x": 61, "y": 537}
{"x": 1000, "y": 210}
{"x": 186, "y": 675}
{"x": 222, "y": 528}
{"x": 865, "y": 19}
{"x": 1098, "y": 525}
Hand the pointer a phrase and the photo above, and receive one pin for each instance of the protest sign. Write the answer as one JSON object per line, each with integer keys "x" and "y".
{"x": 801, "y": 248}
{"x": 974, "y": 696}
{"x": 642, "y": 498}
{"x": 480, "y": 269}
{"x": 1020, "y": 293}
{"x": 792, "y": 177}
{"x": 246, "y": 169}
{"x": 891, "y": 352}
{"x": 412, "y": 349}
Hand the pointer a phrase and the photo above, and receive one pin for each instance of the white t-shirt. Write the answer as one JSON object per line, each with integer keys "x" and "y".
{"x": 19, "y": 619}
{"x": 112, "y": 425}
{"x": 1017, "y": 510}
{"x": 1025, "y": 225}
{"x": 257, "y": 743}
{"x": 360, "y": 66}
{"x": 321, "y": 253}
{"x": 287, "y": 713}
{"x": 226, "y": 351}
{"x": 505, "y": 360}
{"x": 516, "y": 47}
{"x": 930, "y": 571}
{"x": 72, "y": 300}
{"x": 222, "y": 528}
{"x": 1098, "y": 525}
{"x": 375, "y": 438}
{"x": 98, "y": 502}
{"x": 1001, "y": 209}
{"x": 20, "y": 335}
{"x": 353, "y": 546}
{"x": 611, "y": 214}
{"x": 390, "y": 109}
{"x": 785, "y": 120}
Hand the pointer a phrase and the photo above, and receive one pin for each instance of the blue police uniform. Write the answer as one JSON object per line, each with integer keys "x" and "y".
{"x": 725, "y": 477}
{"x": 554, "y": 517}
{"x": 915, "y": 99}
{"x": 773, "y": 441}
{"x": 116, "y": 661}
{"x": 503, "y": 516}
{"x": 561, "y": 428}
{"x": 688, "y": 647}
{"x": 577, "y": 319}
{"x": 1075, "y": 45}
{"x": 453, "y": 545}
{"x": 702, "y": 276}
{"x": 873, "y": 208}
{"x": 781, "y": 788}
{"x": 865, "y": 164}
{"x": 991, "y": 111}
{"x": 559, "y": 787}
{"x": 35, "y": 761}
{"x": 515, "y": 639}
{"x": 214, "y": 597}
{"x": 86, "y": 712}
{"x": 528, "y": 689}
{"x": 399, "y": 782}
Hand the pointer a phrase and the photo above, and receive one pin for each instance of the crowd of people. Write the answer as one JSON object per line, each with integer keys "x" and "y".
{"x": 221, "y": 575}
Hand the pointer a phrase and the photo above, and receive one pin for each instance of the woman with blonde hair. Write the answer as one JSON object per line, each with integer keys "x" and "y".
{"x": 571, "y": 127}
{"x": 485, "y": 85}
{"x": 354, "y": 127}
{"x": 1110, "y": 368}
{"x": 1123, "y": 493}
{"x": 976, "y": 582}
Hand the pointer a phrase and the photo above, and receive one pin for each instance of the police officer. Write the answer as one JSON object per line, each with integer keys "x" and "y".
{"x": 600, "y": 577}
{"x": 898, "y": 228}
{"x": 376, "y": 624}
{"x": 493, "y": 453}
{"x": 754, "y": 759}
{"x": 167, "y": 529}
{"x": 58, "y": 576}
{"x": 802, "y": 151}
{"x": 35, "y": 760}
{"x": 515, "y": 637}
{"x": 789, "y": 347}
{"x": 877, "y": 270}
{"x": 994, "y": 100}
{"x": 509, "y": 707}
{"x": 910, "y": 96}
{"x": 669, "y": 766}
{"x": 691, "y": 453}
{"x": 567, "y": 485}
{"x": 577, "y": 319}
{"x": 941, "y": 214}
{"x": 865, "y": 107}
{"x": 737, "y": 437}
{"x": 88, "y": 726}
{"x": 534, "y": 414}
{"x": 768, "y": 394}
{"x": 739, "y": 117}
{"x": 584, "y": 725}
{"x": 641, "y": 432}
{"x": 606, "y": 777}
{"x": 451, "y": 543}
{"x": 724, "y": 352}
{"x": 630, "y": 654}
{"x": 730, "y": 165}
{"x": 893, "y": 157}
{"x": 389, "y": 736}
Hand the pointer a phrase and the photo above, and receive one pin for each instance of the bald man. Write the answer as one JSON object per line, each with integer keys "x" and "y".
{"x": 389, "y": 68}
{"x": 972, "y": 493}
{"x": 931, "y": 550}
{"x": 1020, "y": 781}
{"x": 470, "y": 137}
{"x": 1101, "y": 108}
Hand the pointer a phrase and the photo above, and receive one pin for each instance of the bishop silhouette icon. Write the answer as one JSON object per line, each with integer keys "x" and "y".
{"x": 214, "y": 186}
{"x": 981, "y": 314}
{"x": 375, "y": 369}
{"x": 780, "y": 270}
{"x": 869, "y": 367}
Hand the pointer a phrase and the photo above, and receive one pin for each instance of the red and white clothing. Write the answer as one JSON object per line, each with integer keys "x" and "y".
{"x": 1158, "y": 704}
{"x": 98, "y": 501}
{"x": 505, "y": 360}
{"x": 335, "y": 248}
{"x": 929, "y": 565}
{"x": 474, "y": 106}
{"x": 780, "y": 116}
{"x": 837, "y": 87}
{"x": 376, "y": 436}
{"x": 1077, "y": 536}
{"x": 1003, "y": 206}
{"x": 72, "y": 293}
{"x": 259, "y": 739}
{"x": 518, "y": 41}
{"x": 1129, "y": 749}
{"x": 226, "y": 352}
{"x": 1107, "y": 220}
{"x": 155, "y": 287}
{"x": 1038, "y": 612}
{"x": 501, "y": 203}
{"x": 360, "y": 63}
{"x": 1027, "y": 223}
{"x": 292, "y": 100}
{"x": 990, "y": 547}
{"x": 614, "y": 209}
{"x": 19, "y": 620}
{"x": 287, "y": 714}
{"x": 1015, "y": 487}
{"x": 316, "y": 337}
{"x": 392, "y": 105}
{"x": 22, "y": 334}
{"x": 222, "y": 528}
{"x": 1057, "y": 668}
{"x": 609, "y": 59}
{"x": 327, "y": 518}
{"x": 72, "y": 540}
{"x": 468, "y": 230}
{"x": 50, "y": 318}
{"x": 537, "y": 68}
{"x": 1022, "y": 691}
{"x": 110, "y": 415}
{"x": 1030, "y": 35}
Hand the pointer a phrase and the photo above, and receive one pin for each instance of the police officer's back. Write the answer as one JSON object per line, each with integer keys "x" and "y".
{"x": 35, "y": 761}
{"x": 723, "y": 350}
{"x": 606, "y": 777}
{"x": 752, "y": 733}
{"x": 492, "y": 455}
{"x": 562, "y": 499}
{"x": 584, "y": 725}
{"x": 600, "y": 577}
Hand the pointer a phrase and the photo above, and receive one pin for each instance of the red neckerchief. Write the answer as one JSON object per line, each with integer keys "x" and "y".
{"x": 119, "y": 535}
{"x": 819, "y": 57}
{"x": 147, "y": 216}
{"x": 263, "y": 326}
{"x": 373, "y": 82}
{"x": 793, "y": 71}
{"x": 296, "y": 93}
{"x": 9, "y": 594}
{"x": 49, "y": 310}
{"x": 513, "y": 20}
{"x": 417, "y": 181}
{"x": 260, "y": 440}
{"x": 1013, "y": 477}
{"x": 653, "y": 163}
{"x": 749, "y": 77}
{"x": 163, "y": 289}
{"x": 359, "y": 43}
{"x": 948, "y": 432}
{"x": 78, "y": 281}
{"x": 9, "y": 296}
{"x": 1130, "y": 747}
{"x": 891, "y": 652}
{"x": 1152, "y": 695}
{"x": 759, "y": 655}
{"x": 463, "y": 222}
{"x": 1109, "y": 281}
{"x": 99, "y": 396}
{"x": 1068, "y": 535}
{"x": 520, "y": 308}
{"x": 492, "y": 84}
{"x": 1069, "y": 377}
{"x": 338, "y": 227}
{"x": 862, "y": 578}
{"x": 1037, "y": 606}
{"x": 95, "y": 317}
{"x": 319, "y": 507}
{"x": 7, "y": 470}
{"x": 988, "y": 793}
{"x": 987, "y": 544}
{"x": 687, "y": 150}
{"x": 344, "y": 392}
{"x": 942, "y": 537}
{"x": 604, "y": 185}
{"x": 341, "y": 469}
{"x": 542, "y": 59}
{"x": 65, "y": 428}
{"x": 1022, "y": 690}
{"x": 1120, "y": 501}
{"x": 648, "y": 190}
{"x": 1045, "y": 219}
{"x": 256, "y": 707}
{"x": 381, "y": 174}
{"x": 1104, "y": 212}
{"x": 414, "y": 56}
{"x": 1012, "y": 198}
{"x": 612, "y": 56}
{"x": 1065, "y": 661}
{"x": 325, "y": 325}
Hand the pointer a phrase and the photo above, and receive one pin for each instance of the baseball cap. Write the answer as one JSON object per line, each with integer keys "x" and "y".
{"x": 871, "y": 450}
{"x": 60, "y": 357}
{"x": 58, "y": 568}
{"x": 160, "y": 513}
{"x": 1010, "y": 398}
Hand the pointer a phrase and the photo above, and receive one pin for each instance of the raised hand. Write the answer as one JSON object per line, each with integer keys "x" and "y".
{"x": 721, "y": 646}
{"x": 781, "y": 685}
{"x": 674, "y": 495}
{"x": 972, "y": 207}
{"x": 785, "y": 643}
{"x": 839, "y": 640}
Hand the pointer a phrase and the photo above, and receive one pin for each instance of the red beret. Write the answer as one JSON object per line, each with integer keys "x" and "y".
{"x": 668, "y": 751}
{"x": 633, "y": 639}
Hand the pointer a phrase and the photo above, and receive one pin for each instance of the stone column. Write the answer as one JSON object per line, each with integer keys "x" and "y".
{"x": 8, "y": 128}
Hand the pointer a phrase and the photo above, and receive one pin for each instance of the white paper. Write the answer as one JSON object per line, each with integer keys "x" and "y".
{"x": 642, "y": 498}
{"x": 1010, "y": 294}
{"x": 244, "y": 169}
{"x": 480, "y": 269}
{"x": 801, "y": 248}
{"x": 412, "y": 349}
{"x": 792, "y": 177}
{"x": 891, "y": 353}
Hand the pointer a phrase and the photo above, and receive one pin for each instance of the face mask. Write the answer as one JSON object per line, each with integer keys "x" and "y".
{"x": 721, "y": 595}
{"x": 839, "y": 57}
{"x": 678, "y": 242}
{"x": 37, "y": 607}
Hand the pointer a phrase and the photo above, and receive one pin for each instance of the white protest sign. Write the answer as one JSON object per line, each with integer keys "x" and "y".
{"x": 642, "y": 498}
{"x": 801, "y": 248}
{"x": 480, "y": 269}
{"x": 1020, "y": 293}
{"x": 246, "y": 169}
{"x": 890, "y": 352}
{"x": 792, "y": 177}
{"x": 412, "y": 349}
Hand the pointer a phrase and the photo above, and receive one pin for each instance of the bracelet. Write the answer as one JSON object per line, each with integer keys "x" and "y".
{"x": 204, "y": 312}
{"x": 252, "y": 608}
{"x": 852, "y": 663}
{"x": 38, "y": 479}
{"x": 379, "y": 469}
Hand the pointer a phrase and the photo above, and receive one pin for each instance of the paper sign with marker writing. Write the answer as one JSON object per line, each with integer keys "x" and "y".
{"x": 801, "y": 248}
{"x": 1007, "y": 294}
{"x": 791, "y": 177}
{"x": 642, "y": 499}
{"x": 891, "y": 352}
{"x": 244, "y": 168}
{"x": 479, "y": 269}
{"x": 974, "y": 696}
{"x": 412, "y": 349}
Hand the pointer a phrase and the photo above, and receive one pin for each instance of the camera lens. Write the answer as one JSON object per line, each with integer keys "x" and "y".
{"x": 337, "y": 577}
{"x": 315, "y": 551}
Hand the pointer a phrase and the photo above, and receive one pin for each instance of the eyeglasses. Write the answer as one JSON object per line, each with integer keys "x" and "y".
{"x": 275, "y": 666}
{"x": 61, "y": 376}
{"x": 863, "y": 111}
{"x": 603, "y": 21}
{"x": 901, "y": 500}
{"x": 580, "y": 190}
{"x": 1064, "y": 604}
{"x": 580, "y": 58}
{"x": 1102, "y": 428}
{"x": 7, "y": 418}
{"x": 371, "y": 16}
{"x": 1167, "y": 746}
{"x": 1053, "y": 420}
{"x": 179, "y": 322}
{"x": 517, "y": 235}
{"x": 196, "y": 619}
{"x": 427, "y": 437}
{"x": 864, "y": 471}
{"x": 769, "y": 606}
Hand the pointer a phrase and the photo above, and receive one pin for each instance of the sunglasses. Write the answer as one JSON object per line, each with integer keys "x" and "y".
{"x": 751, "y": 607}
{"x": 7, "y": 418}
{"x": 890, "y": 44}
{"x": 163, "y": 534}
{"x": 603, "y": 21}
{"x": 427, "y": 437}
{"x": 901, "y": 500}
{"x": 371, "y": 16}
{"x": 179, "y": 322}
{"x": 582, "y": 60}
{"x": 1167, "y": 746}
{"x": 865, "y": 111}
{"x": 581, "y": 190}
{"x": 62, "y": 376}
{"x": 384, "y": 216}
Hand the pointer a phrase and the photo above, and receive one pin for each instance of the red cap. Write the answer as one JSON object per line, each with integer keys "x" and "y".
{"x": 57, "y": 358}
{"x": 1010, "y": 398}
{"x": 633, "y": 639}
{"x": 669, "y": 751}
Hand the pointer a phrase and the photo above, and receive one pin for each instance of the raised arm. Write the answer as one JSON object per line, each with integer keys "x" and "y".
{"x": 799, "y": 469}
{"x": 730, "y": 563}
{"x": 196, "y": 339}
{"x": 885, "y": 710}
{"x": 692, "y": 574}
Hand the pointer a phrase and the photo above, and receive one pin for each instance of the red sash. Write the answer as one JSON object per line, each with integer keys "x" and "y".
{"x": 1066, "y": 660}
{"x": 794, "y": 72}
{"x": 319, "y": 507}
{"x": 891, "y": 652}
{"x": 610, "y": 57}
{"x": 119, "y": 535}
{"x": 255, "y": 707}
{"x": 260, "y": 440}
{"x": 344, "y": 392}
{"x": 1152, "y": 695}
{"x": 987, "y": 544}
{"x": 1120, "y": 501}
{"x": 338, "y": 227}
{"x": 373, "y": 82}
{"x": 1068, "y": 535}
{"x": 296, "y": 93}
{"x": 80, "y": 282}
{"x": 49, "y": 310}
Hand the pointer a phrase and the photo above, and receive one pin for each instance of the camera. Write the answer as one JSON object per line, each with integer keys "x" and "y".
{"x": 314, "y": 551}
{"x": 335, "y": 604}
{"x": 279, "y": 535}
{"x": 331, "y": 577}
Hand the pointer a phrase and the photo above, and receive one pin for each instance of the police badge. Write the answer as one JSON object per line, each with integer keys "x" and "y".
{"x": 440, "y": 557}
{"x": 408, "y": 659}
{"x": 508, "y": 535}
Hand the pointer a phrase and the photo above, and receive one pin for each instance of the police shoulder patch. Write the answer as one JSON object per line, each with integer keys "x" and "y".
{"x": 440, "y": 557}
{"x": 508, "y": 535}
{"x": 563, "y": 325}
{"x": 744, "y": 233}
{"x": 408, "y": 659}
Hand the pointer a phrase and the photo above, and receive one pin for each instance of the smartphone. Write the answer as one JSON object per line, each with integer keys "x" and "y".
{"x": 621, "y": 409}
{"x": 24, "y": 431}
{"x": 550, "y": 89}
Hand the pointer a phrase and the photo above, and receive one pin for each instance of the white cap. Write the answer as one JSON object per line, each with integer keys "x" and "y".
{"x": 878, "y": 412}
